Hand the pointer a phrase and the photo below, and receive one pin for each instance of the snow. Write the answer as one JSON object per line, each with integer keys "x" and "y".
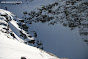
{"x": 14, "y": 26}
{"x": 3, "y": 12}
{"x": 12, "y": 48}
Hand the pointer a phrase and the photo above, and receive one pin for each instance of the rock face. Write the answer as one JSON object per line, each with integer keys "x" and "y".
{"x": 72, "y": 14}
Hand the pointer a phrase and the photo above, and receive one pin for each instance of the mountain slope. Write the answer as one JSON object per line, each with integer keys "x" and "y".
{"x": 12, "y": 49}
{"x": 18, "y": 28}
{"x": 12, "y": 44}
{"x": 10, "y": 26}
{"x": 63, "y": 29}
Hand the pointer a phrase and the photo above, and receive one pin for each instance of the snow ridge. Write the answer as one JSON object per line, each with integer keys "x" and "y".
{"x": 11, "y": 22}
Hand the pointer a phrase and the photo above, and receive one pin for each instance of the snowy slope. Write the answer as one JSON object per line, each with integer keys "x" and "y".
{"x": 11, "y": 46}
{"x": 11, "y": 26}
{"x": 12, "y": 49}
